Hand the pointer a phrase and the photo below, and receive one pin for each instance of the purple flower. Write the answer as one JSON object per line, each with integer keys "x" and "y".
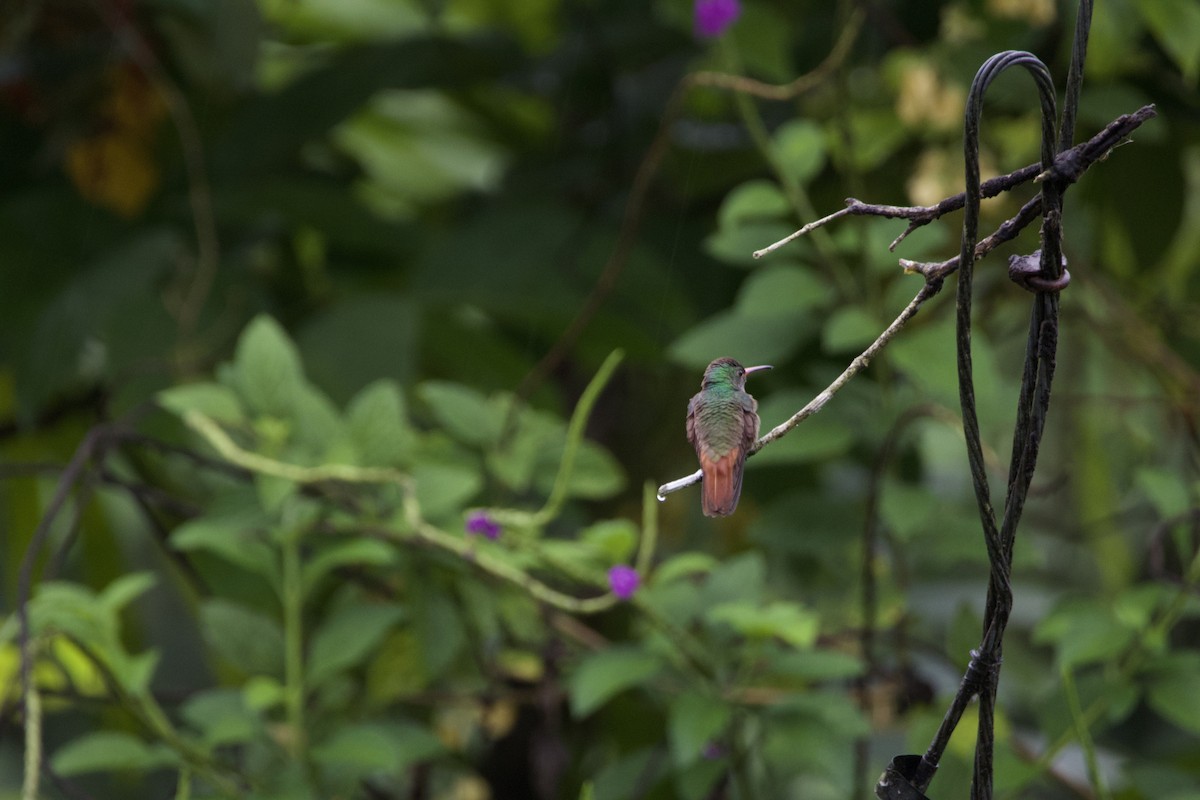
{"x": 712, "y": 751}
{"x": 623, "y": 580}
{"x": 480, "y": 524}
{"x": 712, "y": 17}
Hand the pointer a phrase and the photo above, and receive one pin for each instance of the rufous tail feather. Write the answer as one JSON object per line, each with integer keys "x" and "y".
{"x": 722, "y": 484}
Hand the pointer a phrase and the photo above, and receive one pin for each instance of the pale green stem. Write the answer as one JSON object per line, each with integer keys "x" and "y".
{"x": 293, "y": 635}
{"x": 220, "y": 441}
{"x": 579, "y": 418}
{"x": 33, "y": 743}
{"x": 645, "y": 553}
{"x": 1084, "y": 734}
{"x": 183, "y": 789}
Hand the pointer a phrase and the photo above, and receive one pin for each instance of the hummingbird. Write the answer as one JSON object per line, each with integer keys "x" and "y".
{"x": 722, "y": 424}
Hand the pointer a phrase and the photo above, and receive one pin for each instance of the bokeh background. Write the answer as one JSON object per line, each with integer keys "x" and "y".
{"x": 406, "y": 234}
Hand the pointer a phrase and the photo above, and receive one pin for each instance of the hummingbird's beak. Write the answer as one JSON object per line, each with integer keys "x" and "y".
{"x": 759, "y": 368}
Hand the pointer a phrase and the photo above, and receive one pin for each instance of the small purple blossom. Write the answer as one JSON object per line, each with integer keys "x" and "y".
{"x": 623, "y": 580}
{"x": 480, "y": 524}
{"x": 713, "y": 17}
{"x": 712, "y": 751}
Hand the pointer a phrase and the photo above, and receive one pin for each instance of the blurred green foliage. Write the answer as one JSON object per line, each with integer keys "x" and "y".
{"x": 303, "y": 261}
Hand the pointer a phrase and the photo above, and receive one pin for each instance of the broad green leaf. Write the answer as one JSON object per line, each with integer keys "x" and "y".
{"x": 754, "y": 339}
{"x": 1084, "y": 632}
{"x": 782, "y": 291}
{"x": 125, "y": 589}
{"x": 438, "y": 624}
{"x": 596, "y": 475}
{"x": 622, "y": 777}
{"x": 736, "y": 244}
{"x": 779, "y": 620}
{"x": 233, "y": 529}
{"x": 850, "y": 328}
{"x": 362, "y": 338}
{"x": 741, "y": 578}
{"x": 817, "y": 665}
{"x": 462, "y": 411}
{"x": 1176, "y": 26}
{"x": 371, "y": 552}
{"x": 684, "y": 565}
{"x": 317, "y": 426}
{"x": 267, "y": 368}
{"x": 376, "y": 747}
{"x": 1174, "y": 690}
{"x": 614, "y": 538}
{"x": 271, "y": 131}
{"x": 378, "y": 426}
{"x": 444, "y": 488}
{"x": 752, "y": 200}
{"x": 695, "y": 720}
{"x": 1166, "y": 489}
{"x": 246, "y": 639}
{"x": 347, "y": 637}
{"x": 106, "y": 751}
{"x": 816, "y": 439}
{"x": 222, "y": 717}
{"x": 800, "y": 146}
{"x": 534, "y": 435}
{"x": 601, "y": 676}
{"x": 211, "y": 399}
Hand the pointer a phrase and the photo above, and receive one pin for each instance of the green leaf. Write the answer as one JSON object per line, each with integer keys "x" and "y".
{"x": 272, "y": 130}
{"x": 534, "y": 435}
{"x": 601, "y": 676}
{"x": 465, "y": 413}
{"x": 361, "y": 339}
{"x": 222, "y": 716}
{"x": 246, "y": 639}
{"x": 318, "y": 427}
{"x": 694, "y": 721}
{"x": 1176, "y": 26}
{"x": 779, "y": 620}
{"x": 753, "y": 338}
{"x": 346, "y": 638}
{"x": 682, "y": 566}
{"x": 737, "y": 244}
{"x": 1167, "y": 490}
{"x": 232, "y": 529}
{"x": 378, "y": 426}
{"x": 1084, "y": 632}
{"x": 266, "y": 367}
{"x": 817, "y": 665}
{"x": 125, "y": 589}
{"x": 597, "y": 474}
{"x": 376, "y": 747}
{"x": 782, "y": 291}
{"x": 1174, "y": 690}
{"x": 370, "y": 552}
{"x": 211, "y": 399}
{"x": 752, "y": 200}
{"x": 740, "y": 578}
{"x": 615, "y": 539}
{"x": 800, "y": 146}
{"x": 816, "y": 440}
{"x": 850, "y": 328}
{"x": 444, "y": 488}
{"x": 106, "y": 751}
